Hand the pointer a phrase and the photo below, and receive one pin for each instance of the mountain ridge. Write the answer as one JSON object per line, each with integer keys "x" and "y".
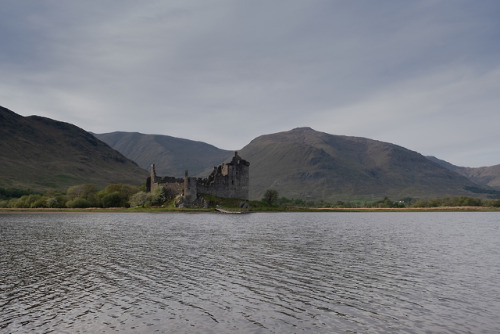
{"x": 304, "y": 163}
{"x": 172, "y": 156}
{"x": 488, "y": 175}
{"x": 41, "y": 153}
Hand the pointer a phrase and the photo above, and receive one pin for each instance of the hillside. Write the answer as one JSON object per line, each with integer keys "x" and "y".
{"x": 487, "y": 176}
{"x": 42, "y": 154}
{"x": 171, "y": 156}
{"x": 303, "y": 163}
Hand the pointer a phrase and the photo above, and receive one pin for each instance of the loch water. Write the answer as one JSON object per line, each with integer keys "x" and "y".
{"x": 254, "y": 273}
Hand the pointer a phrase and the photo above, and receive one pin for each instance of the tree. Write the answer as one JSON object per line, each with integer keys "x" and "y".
{"x": 159, "y": 196}
{"x": 116, "y": 195}
{"x": 113, "y": 200}
{"x": 78, "y": 202}
{"x": 139, "y": 199}
{"x": 87, "y": 192}
{"x": 270, "y": 197}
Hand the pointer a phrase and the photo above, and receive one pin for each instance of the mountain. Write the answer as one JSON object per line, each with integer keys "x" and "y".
{"x": 486, "y": 176}
{"x": 42, "y": 154}
{"x": 303, "y": 163}
{"x": 171, "y": 156}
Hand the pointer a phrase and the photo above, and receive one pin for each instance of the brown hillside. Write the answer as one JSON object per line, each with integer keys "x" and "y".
{"x": 41, "y": 154}
{"x": 485, "y": 176}
{"x": 489, "y": 176}
{"x": 303, "y": 163}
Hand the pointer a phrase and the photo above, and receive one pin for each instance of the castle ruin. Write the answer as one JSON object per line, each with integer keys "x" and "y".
{"x": 228, "y": 180}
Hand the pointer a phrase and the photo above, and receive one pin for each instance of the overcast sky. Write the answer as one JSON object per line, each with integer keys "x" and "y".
{"x": 421, "y": 74}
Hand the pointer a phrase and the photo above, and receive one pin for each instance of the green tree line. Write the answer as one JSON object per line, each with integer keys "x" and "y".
{"x": 456, "y": 201}
{"x": 84, "y": 196}
{"x": 6, "y": 193}
{"x": 122, "y": 195}
{"x": 271, "y": 198}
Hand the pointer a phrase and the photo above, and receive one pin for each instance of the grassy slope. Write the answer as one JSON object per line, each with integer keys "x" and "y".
{"x": 43, "y": 154}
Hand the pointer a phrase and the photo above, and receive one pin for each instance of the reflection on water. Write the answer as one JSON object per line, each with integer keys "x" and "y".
{"x": 257, "y": 273}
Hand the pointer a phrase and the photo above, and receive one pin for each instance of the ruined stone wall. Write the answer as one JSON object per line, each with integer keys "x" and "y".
{"x": 229, "y": 180}
{"x": 174, "y": 185}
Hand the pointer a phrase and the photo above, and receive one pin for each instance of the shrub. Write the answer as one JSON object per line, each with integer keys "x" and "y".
{"x": 115, "y": 195}
{"x": 86, "y": 191}
{"x": 139, "y": 199}
{"x": 26, "y": 201}
{"x": 52, "y": 202}
{"x": 78, "y": 203}
{"x": 270, "y": 197}
{"x": 159, "y": 196}
{"x": 113, "y": 200}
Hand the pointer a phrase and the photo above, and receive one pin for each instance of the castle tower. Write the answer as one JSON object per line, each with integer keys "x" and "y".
{"x": 151, "y": 185}
{"x": 190, "y": 188}
{"x": 239, "y": 175}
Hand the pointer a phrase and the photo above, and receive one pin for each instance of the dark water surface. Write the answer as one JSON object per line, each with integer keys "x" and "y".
{"x": 256, "y": 273}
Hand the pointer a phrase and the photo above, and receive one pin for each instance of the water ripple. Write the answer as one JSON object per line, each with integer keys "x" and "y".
{"x": 259, "y": 273}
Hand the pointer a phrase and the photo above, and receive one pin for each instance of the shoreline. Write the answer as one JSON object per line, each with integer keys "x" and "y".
{"x": 287, "y": 209}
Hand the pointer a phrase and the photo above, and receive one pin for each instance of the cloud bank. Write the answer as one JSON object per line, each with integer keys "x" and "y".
{"x": 424, "y": 74}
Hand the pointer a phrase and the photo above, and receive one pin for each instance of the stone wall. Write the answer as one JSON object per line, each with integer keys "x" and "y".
{"x": 174, "y": 185}
{"x": 229, "y": 180}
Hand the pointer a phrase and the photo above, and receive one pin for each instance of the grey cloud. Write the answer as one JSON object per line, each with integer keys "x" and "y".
{"x": 227, "y": 71}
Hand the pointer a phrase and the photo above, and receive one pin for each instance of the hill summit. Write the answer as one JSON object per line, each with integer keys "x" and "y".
{"x": 307, "y": 164}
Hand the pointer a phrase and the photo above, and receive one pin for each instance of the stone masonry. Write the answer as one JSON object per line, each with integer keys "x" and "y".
{"x": 228, "y": 180}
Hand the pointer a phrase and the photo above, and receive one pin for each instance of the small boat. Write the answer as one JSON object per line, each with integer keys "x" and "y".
{"x": 232, "y": 212}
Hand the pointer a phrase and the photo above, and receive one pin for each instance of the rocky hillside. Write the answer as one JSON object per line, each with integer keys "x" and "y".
{"x": 171, "y": 155}
{"x": 303, "y": 163}
{"x": 42, "y": 154}
{"x": 487, "y": 176}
